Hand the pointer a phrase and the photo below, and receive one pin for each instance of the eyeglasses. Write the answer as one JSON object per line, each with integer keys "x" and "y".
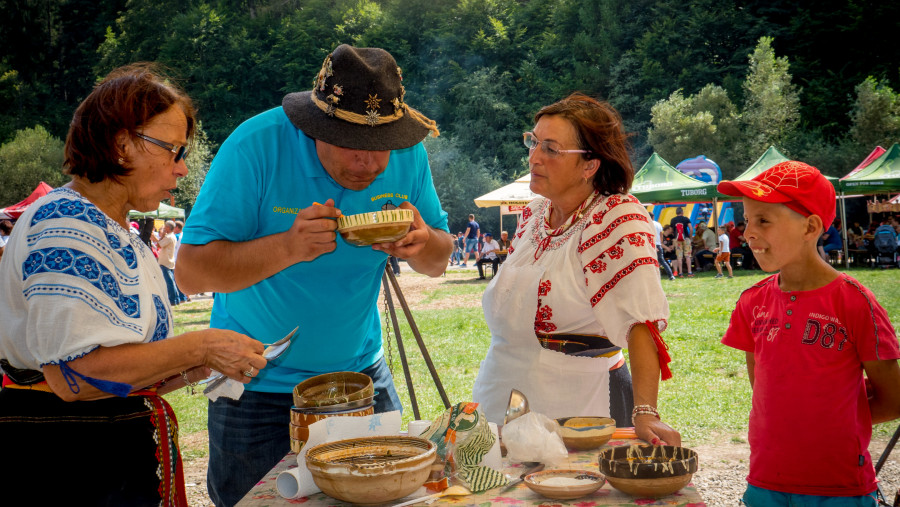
{"x": 551, "y": 148}
{"x": 179, "y": 151}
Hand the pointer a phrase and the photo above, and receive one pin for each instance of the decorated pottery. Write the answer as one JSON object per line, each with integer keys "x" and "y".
{"x": 333, "y": 389}
{"x": 645, "y": 470}
{"x": 564, "y": 484}
{"x": 585, "y": 433}
{"x": 371, "y": 470}
{"x": 365, "y": 229}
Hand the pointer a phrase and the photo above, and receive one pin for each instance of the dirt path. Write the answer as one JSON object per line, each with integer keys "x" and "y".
{"x": 724, "y": 462}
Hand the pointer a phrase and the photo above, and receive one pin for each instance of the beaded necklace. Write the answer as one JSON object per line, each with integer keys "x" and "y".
{"x": 572, "y": 220}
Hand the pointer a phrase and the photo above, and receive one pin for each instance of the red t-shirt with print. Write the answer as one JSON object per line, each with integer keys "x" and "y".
{"x": 810, "y": 423}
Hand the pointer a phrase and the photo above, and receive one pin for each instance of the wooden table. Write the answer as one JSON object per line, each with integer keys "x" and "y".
{"x": 265, "y": 494}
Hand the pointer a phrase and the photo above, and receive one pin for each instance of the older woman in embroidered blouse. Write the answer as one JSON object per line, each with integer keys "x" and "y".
{"x": 583, "y": 263}
{"x": 86, "y": 344}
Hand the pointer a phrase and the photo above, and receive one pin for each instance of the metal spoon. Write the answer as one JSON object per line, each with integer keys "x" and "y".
{"x": 272, "y": 351}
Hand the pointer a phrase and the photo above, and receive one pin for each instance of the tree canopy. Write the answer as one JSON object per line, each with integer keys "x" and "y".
{"x": 815, "y": 76}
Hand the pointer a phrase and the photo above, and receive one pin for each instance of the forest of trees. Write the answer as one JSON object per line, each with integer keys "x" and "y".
{"x": 721, "y": 78}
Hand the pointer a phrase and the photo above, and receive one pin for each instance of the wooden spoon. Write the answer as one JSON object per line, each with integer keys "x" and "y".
{"x": 451, "y": 491}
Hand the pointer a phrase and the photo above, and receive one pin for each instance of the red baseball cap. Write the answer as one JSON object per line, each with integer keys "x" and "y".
{"x": 800, "y": 187}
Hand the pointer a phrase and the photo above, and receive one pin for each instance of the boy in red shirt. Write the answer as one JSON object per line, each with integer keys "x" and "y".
{"x": 809, "y": 332}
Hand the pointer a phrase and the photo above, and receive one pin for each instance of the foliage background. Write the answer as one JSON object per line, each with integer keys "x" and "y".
{"x": 820, "y": 82}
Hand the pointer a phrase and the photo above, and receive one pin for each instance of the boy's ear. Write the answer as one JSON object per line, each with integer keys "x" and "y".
{"x": 814, "y": 226}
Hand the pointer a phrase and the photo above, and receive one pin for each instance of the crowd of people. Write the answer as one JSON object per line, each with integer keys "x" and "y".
{"x": 87, "y": 344}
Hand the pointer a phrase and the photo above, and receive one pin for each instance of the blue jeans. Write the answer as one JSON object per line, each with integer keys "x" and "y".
{"x": 471, "y": 245}
{"x": 249, "y": 436}
{"x": 169, "y": 277}
{"x": 760, "y": 497}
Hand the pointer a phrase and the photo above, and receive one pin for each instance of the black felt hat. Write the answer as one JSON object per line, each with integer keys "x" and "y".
{"x": 357, "y": 102}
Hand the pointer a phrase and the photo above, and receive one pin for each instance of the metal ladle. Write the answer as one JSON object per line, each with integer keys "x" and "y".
{"x": 517, "y": 406}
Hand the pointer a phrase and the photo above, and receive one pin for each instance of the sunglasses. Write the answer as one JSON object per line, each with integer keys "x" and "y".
{"x": 179, "y": 151}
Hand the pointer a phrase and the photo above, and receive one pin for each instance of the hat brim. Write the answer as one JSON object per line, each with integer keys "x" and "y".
{"x": 306, "y": 116}
{"x": 752, "y": 189}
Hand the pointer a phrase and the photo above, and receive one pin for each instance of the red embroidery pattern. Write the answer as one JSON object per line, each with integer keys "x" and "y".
{"x": 608, "y": 286}
{"x": 544, "y": 313}
{"x": 544, "y": 288}
{"x": 611, "y": 203}
{"x": 596, "y": 265}
{"x": 605, "y": 233}
{"x": 616, "y": 251}
{"x": 526, "y": 213}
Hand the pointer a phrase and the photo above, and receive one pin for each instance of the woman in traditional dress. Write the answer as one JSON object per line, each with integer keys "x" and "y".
{"x": 583, "y": 264}
{"x": 86, "y": 344}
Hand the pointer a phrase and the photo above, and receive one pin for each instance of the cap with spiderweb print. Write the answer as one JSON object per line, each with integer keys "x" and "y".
{"x": 800, "y": 187}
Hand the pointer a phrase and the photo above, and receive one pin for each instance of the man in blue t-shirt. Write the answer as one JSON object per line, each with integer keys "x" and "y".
{"x": 473, "y": 233}
{"x": 259, "y": 238}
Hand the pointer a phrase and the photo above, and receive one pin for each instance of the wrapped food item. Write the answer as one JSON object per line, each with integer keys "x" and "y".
{"x": 463, "y": 438}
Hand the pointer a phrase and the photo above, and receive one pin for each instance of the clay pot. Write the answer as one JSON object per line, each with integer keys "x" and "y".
{"x": 301, "y": 418}
{"x": 332, "y": 389}
{"x": 644, "y": 470}
{"x": 585, "y": 433}
{"x": 371, "y": 470}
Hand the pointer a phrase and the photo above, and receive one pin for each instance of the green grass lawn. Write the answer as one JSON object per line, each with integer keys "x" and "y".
{"x": 709, "y": 396}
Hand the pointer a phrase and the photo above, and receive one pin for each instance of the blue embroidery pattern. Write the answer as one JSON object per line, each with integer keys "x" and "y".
{"x": 75, "y": 263}
{"x": 81, "y": 210}
{"x": 70, "y": 208}
{"x": 162, "y": 320}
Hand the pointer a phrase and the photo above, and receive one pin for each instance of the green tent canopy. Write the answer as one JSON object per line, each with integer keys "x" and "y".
{"x": 659, "y": 182}
{"x": 765, "y": 161}
{"x": 880, "y": 177}
{"x": 769, "y": 159}
{"x": 164, "y": 211}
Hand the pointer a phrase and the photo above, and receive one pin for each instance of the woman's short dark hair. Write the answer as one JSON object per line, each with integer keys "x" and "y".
{"x": 126, "y": 99}
{"x": 599, "y": 129}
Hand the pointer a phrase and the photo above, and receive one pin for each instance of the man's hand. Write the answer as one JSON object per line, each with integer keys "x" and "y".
{"x": 313, "y": 231}
{"x": 425, "y": 249}
{"x": 413, "y": 243}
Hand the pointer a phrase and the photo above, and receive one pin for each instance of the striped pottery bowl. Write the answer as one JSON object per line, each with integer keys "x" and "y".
{"x": 365, "y": 229}
{"x": 371, "y": 470}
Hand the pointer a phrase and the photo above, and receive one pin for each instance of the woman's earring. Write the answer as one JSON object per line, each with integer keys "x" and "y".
{"x": 121, "y": 160}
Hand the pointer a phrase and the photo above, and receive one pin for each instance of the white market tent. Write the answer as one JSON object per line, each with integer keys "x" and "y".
{"x": 511, "y": 198}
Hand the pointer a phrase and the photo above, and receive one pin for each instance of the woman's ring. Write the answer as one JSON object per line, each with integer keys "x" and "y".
{"x": 249, "y": 373}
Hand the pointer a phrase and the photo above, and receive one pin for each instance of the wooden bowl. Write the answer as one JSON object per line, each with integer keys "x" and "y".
{"x": 333, "y": 389}
{"x": 365, "y": 229}
{"x": 645, "y": 470}
{"x": 585, "y": 433}
{"x": 564, "y": 484}
{"x": 373, "y": 469}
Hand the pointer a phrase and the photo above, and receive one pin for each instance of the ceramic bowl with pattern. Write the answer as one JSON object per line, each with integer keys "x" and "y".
{"x": 333, "y": 389}
{"x": 586, "y": 433}
{"x": 366, "y": 229}
{"x": 371, "y": 470}
{"x": 648, "y": 470}
{"x": 564, "y": 484}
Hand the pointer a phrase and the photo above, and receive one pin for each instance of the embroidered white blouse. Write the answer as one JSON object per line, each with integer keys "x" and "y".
{"x": 601, "y": 274}
{"x": 72, "y": 279}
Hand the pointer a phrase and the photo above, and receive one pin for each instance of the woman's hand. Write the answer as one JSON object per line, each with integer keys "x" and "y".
{"x": 233, "y": 354}
{"x": 655, "y": 432}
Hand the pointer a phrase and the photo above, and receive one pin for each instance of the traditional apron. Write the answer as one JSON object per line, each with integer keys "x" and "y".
{"x": 556, "y": 384}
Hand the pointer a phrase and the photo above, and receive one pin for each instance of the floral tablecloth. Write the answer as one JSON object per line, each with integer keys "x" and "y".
{"x": 265, "y": 494}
